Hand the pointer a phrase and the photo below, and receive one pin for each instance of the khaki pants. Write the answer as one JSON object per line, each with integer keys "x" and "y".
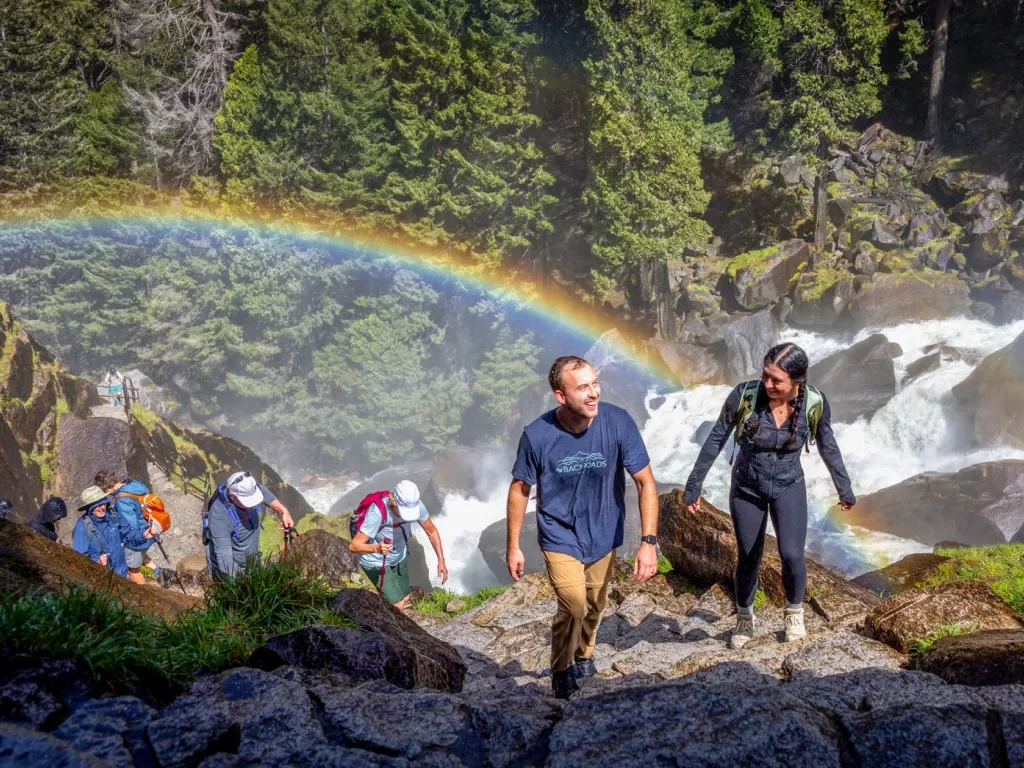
{"x": 582, "y": 592}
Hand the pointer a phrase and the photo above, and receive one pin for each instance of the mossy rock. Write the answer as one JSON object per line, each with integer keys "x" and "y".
{"x": 760, "y": 278}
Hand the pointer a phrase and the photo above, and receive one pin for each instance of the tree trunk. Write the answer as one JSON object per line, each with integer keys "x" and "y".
{"x": 934, "y": 124}
{"x": 821, "y": 196}
{"x": 664, "y": 303}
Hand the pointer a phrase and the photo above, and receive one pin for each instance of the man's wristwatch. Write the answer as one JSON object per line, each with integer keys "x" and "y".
{"x": 652, "y": 540}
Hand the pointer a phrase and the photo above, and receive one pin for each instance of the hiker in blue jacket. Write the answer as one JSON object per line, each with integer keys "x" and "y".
{"x": 232, "y": 523}
{"x": 775, "y": 419}
{"x": 135, "y": 528}
{"x": 97, "y": 535}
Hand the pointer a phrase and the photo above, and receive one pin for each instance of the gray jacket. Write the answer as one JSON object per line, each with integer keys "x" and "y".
{"x": 765, "y": 466}
{"x": 229, "y": 546}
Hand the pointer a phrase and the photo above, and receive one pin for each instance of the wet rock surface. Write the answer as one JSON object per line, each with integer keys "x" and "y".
{"x": 988, "y": 500}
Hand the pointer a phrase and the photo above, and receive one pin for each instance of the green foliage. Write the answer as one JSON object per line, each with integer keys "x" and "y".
{"x": 820, "y": 67}
{"x": 241, "y": 613}
{"x": 357, "y": 362}
{"x": 125, "y": 651}
{"x": 436, "y": 603}
{"x": 754, "y": 260}
{"x": 761, "y": 600}
{"x": 913, "y": 43}
{"x": 112, "y": 642}
{"x": 107, "y": 132}
{"x": 1001, "y": 566}
{"x": 650, "y": 76}
{"x": 664, "y": 566}
{"x": 921, "y": 644}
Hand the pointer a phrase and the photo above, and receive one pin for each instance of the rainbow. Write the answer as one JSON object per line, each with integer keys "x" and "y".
{"x": 512, "y": 288}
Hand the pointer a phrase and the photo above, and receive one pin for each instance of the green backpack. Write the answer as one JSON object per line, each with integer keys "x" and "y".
{"x": 813, "y": 407}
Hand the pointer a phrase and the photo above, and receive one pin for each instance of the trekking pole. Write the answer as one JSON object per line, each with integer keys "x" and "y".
{"x": 160, "y": 546}
{"x": 289, "y": 535}
{"x": 383, "y": 570}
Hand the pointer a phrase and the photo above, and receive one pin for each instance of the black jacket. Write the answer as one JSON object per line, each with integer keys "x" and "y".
{"x": 764, "y": 466}
{"x": 44, "y": 521}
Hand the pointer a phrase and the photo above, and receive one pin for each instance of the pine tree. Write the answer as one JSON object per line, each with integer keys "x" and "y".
{"x": 651, "y": 76}
{"x": 50, "y": 55}
{"x": 821, "y": 71}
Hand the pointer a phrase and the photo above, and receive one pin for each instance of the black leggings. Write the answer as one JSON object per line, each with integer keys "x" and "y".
{"x": 750, "y": 519}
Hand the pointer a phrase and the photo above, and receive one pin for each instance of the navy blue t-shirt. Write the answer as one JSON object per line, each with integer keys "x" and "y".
{"x": 581, "y": 504}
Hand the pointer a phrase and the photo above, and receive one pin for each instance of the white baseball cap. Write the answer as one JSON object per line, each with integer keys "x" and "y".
{"x": 407, "y": 497}
{"x": 243, "y": 487}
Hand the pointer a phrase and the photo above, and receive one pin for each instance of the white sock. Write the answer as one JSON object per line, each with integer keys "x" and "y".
{"x": 795, "y": 607}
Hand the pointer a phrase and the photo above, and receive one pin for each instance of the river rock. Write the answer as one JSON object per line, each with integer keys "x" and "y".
{"x": 909, "y": 572}
{"x": 962, "y": 182}
{"x": 923, "y": 228}
{"x": 981, "y": 504}
{"x": 702, "y": 548}
{"x": 991, "y": 399}
{"x": 894, "y": 298}
{"x": 113, "y": 730}
{"x": 24, "y": 748}
{"x": 686, "y": 724}
{"x": 857, "y": 381}
{"x": 820, "y": 298}
{"x": 988, "y": 249}
{"x": 923, "y": 365}
{"x": 767, "y": 279}
{"x": 266, "y": 716}
{"x": 838, "y": 653}
{"x": 690, "y": 364}
{"x": 917, "y": 613}
{"x": 493, "y": 543}
{"x": 435, "y": 664}
{"x": 747, "y": 338}
{"x": 324, "y": 554}
{"x": 993, "y": 657}
{"x": 450, "y": 731}
{"x": 385, "y": 480}
{"x": 912, "y": 734}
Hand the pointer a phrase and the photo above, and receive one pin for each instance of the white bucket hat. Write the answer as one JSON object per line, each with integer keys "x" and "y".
{"x": 407, "y": 497}
{"x": 243, "y": 487}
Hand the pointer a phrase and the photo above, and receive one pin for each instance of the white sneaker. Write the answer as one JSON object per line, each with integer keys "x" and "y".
{"x": 743, "y": 633}
{"x": 795, "y": 624}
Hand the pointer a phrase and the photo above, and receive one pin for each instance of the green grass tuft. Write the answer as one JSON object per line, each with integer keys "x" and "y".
{"x": 125, "y": 651}
{"x": 760, "y": 600}
{"x": 1001, "y": 566}
{"x": 437, "y": 601}
{"x": 922, "y": 644}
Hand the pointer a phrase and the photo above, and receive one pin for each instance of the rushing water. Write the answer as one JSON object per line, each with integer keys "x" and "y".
{"x": 916, "y": 431}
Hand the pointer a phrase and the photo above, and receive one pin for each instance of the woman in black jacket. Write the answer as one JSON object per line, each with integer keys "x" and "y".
{"x": 774, "y": 419}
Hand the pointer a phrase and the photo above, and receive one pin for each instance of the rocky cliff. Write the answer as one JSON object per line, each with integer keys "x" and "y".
{"x": 36, "y": 391}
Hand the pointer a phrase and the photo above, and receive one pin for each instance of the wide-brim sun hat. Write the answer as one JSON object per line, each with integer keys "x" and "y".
{"x": 244, "y": 487}
{"x": 407, "y": 497}
{"x": 92, "y": 496}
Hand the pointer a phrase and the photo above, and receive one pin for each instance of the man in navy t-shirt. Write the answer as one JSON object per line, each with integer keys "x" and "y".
{"x": 576, "y": 458}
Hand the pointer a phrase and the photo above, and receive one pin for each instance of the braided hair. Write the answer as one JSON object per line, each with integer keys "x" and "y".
{"x": 793, "y": 360}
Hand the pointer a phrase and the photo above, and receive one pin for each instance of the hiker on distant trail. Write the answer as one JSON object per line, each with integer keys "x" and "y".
{"x": 774, "y": 418}
{"x": 115, "y": 385}
{"x": 45, "y": 521}
{"x": 97, "y": 535}
{"x": 231, "y": 525}
{"x": 576, "y": 457}
{"x": 380, "y": 529}
{"x": 136, "y": 531}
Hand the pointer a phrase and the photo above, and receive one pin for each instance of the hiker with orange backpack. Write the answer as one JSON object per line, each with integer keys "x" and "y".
{"x": 137, "y": 527}
{"x": 380, "y": 535}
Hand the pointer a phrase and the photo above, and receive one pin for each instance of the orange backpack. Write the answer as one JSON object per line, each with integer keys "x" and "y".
{"x": 152, "y": 509}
